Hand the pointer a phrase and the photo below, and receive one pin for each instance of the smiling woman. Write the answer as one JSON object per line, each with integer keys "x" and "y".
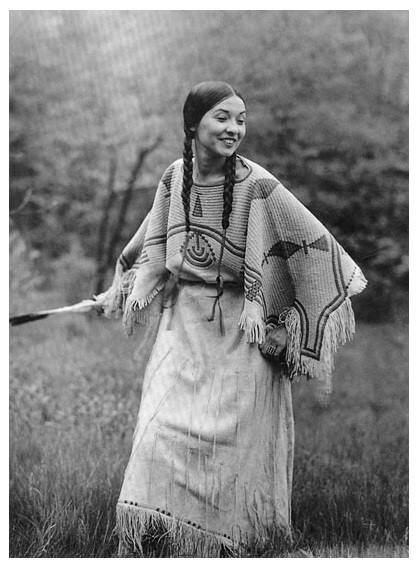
{"x": 218, "y": 135}
{"x": 249, "y": 291}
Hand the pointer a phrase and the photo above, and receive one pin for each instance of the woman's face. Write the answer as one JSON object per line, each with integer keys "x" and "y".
{"x": 222, "y": 128}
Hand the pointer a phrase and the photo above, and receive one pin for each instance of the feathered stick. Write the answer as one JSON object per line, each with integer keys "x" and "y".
{"x": 80, "y": 308}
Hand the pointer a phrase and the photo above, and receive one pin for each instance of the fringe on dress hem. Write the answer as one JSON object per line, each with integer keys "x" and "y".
{"x": 176, "y": 537}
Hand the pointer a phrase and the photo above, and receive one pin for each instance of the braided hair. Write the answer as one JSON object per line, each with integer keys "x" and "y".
{"x": 187, "y": 178}
{"x": 201, "y": 99}
{"x": 229, "y": 183}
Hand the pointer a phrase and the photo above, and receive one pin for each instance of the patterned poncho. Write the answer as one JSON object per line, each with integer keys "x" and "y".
{"x": 292, "y": 270}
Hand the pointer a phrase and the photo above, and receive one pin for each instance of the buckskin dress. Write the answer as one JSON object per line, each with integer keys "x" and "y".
{"x": 212, "y": 454}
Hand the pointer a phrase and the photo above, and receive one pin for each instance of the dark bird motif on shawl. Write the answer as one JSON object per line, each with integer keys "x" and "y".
{"x": 285, "y": 249}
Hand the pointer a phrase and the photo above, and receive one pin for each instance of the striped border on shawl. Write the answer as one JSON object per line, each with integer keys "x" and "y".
{"x": 248, "y": 268}
{"x": 151, "y": 241}
{"x": 124, "y": 262}
{"x": 314, "y": 352}
{"x": 156, "y": 240}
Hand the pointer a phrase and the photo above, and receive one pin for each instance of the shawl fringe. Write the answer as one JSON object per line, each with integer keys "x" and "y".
{"x": 136, "y": 311}
{"x": 253, "y": 325}
{"x": 339, "y": 328}
{"x": 134, "y": 524}
{"x": 119, "y": 300}
{"x": 113, "y": 301}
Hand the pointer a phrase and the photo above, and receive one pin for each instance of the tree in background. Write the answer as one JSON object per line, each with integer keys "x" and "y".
{"x": 328, "y": 114}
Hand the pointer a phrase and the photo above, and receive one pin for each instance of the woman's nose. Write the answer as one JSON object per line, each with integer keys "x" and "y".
{"x": 232, "y": 128}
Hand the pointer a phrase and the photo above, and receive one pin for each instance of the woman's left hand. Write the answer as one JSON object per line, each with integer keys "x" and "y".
{"x": 275, "y": 342}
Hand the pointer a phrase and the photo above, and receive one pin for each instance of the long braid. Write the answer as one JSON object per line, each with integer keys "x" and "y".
{"x": 229, "y": 183}
{"x": 187, "y": 179}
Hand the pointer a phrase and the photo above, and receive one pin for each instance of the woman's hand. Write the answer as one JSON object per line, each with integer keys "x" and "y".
{"x": 275, "y": 343}
{"x": 99, "y": 301}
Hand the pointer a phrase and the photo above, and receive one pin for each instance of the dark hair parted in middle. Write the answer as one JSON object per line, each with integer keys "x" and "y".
{"x": 201, "y": 99}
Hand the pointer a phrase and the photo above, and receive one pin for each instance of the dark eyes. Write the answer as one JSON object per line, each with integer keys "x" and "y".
{"x": 224, "y": 118}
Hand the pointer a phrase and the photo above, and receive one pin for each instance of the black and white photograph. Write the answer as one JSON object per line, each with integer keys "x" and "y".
{"x": 208, "y": 283}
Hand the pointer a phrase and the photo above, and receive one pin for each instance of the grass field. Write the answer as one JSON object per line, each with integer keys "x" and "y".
{"x": 74, "y": 396}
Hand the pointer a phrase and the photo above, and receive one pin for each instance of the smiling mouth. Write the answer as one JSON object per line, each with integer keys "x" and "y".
{"x": 229, "y": 141}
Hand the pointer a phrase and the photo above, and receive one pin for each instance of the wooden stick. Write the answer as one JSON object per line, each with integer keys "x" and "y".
{"x": 82, "y": 307}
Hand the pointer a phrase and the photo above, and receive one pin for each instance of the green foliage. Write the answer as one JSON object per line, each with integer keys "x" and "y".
{"x": 327, "y": 96}
{"x": 75, "y": 391}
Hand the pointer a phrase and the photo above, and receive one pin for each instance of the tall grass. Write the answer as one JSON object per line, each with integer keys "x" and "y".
{"x": 75, "y": 391}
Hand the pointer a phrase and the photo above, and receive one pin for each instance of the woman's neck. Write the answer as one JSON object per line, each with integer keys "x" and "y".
{"x": 208, "y": 167}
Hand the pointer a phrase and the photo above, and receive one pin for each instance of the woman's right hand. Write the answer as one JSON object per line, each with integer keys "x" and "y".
{"x": 275, "y": 342}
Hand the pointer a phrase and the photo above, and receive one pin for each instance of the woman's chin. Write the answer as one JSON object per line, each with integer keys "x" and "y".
{"x": 227, "y": 152}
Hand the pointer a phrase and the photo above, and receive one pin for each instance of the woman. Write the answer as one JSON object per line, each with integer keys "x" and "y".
{"x": 249, "y": 291}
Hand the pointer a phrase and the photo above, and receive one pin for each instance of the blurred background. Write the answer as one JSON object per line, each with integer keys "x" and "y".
{"x": 95, "y": 118}
{"x": 96, "y": 106}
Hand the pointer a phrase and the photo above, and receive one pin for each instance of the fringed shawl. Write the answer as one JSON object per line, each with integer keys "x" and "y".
{"x": 292, "y": 270}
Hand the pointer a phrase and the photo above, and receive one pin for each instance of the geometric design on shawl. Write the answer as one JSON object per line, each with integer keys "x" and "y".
{"x": 199, "y": 252}
{"x": 198, "y": 210}
{"x": 263, "y": 188}
{"x": 285, "y": 249}
{"x": 312, "y": 339}
{"x": 212, "y": 233}
{"x": 167, "y": 178}
{"x": 320, "y": 244}
{"x": 253, "y": 290}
